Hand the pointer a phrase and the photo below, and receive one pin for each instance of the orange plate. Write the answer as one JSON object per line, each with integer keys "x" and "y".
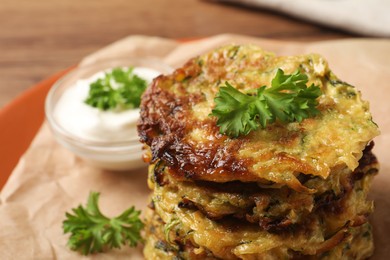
{"x": 20, "y": 120}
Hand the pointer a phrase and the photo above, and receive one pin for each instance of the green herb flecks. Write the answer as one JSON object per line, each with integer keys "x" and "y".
{"x": 92, "y": 232}
{"x": 288, "y": 100}
{"x": 118, "y": 89}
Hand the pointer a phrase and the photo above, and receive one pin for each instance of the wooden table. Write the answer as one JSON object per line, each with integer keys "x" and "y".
{"x": 38, "y": 38}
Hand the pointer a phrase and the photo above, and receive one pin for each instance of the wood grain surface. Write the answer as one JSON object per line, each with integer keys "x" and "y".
{"x": 39, "y": 38}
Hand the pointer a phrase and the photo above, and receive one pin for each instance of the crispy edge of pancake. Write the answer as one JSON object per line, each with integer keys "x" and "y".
{"x": 273, "y": 209}
{"x": 235, "y": 238}
{"x": 348, "y": 243}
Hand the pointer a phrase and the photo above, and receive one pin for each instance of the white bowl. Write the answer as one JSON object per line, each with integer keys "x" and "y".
{"x": 107, "y": 154}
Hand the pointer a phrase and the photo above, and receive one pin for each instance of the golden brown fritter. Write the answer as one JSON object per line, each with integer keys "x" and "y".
{"x": 176, "y": 122}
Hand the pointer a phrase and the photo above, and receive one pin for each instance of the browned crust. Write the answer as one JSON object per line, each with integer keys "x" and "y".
{"x": 165, "y": 121}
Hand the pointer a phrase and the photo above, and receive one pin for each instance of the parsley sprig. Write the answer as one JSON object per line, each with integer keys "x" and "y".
{"x": 288, "y": 100}
{"x": 118, "y": 89}
{"x": 92, "y": 232}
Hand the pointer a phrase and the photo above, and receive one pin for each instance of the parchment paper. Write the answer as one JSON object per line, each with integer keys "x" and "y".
{"x": 49, "y": 180}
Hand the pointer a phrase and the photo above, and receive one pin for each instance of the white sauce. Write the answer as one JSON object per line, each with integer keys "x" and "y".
{"x": 92, "y": 124}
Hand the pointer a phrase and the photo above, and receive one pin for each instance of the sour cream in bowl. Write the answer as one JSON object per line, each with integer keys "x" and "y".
{"x": 93, "y": 111}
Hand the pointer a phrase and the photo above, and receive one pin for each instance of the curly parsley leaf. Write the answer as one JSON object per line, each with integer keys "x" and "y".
{"x": 118, "y": 89}
{"x": 92, "y": 232}
{"x": 288, "y": 100}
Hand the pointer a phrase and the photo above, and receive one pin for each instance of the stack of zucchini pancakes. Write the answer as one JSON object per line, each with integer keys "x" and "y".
{"x": 293, "y": 190}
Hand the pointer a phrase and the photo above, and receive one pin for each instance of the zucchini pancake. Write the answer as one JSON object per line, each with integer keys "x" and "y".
{"x": 283, "y": 190}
